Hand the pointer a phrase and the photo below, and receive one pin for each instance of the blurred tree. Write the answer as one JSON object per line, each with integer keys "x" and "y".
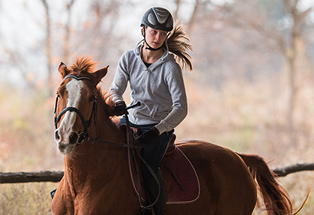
{"x": 285, "y": 23}
{"x": 67, "y": 37}
{"x": 176, "y": 12}
{"x": 276, "y": 27}
{"x": 95, "y": 33}
{"x": 48, "y": 47}
{"x": 86, "y": 29}
{"x": 193, "y": 17}
{"x": 13, "y": 55}
{"x": 294, "y": 53}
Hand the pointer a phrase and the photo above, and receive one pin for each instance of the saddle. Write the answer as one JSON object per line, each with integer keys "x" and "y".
{"x": 180, "y": 178}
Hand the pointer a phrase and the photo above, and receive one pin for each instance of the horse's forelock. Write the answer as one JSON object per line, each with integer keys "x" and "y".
{"x": 83, "y": 65}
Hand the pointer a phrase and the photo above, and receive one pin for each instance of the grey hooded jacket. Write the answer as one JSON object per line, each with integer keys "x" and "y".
{"x": 159, "y": 88}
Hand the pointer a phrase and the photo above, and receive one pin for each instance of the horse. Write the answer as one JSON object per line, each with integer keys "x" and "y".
{"x": 96, "y": 177}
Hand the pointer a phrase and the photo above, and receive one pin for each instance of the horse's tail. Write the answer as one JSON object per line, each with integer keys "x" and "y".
{"x": 276, "y": 199}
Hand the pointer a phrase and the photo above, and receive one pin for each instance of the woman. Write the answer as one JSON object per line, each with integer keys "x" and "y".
{"x": 156, "y": 82}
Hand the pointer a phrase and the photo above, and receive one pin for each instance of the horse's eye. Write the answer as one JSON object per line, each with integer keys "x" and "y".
{"x": 91, "y": 98}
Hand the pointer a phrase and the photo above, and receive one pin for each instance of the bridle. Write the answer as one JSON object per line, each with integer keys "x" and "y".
{"x": 86, "y": 123}
{"x": 83, "y": 135}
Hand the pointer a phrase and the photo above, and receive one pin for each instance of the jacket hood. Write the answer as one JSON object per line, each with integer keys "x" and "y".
{"x": 165, "y": 57}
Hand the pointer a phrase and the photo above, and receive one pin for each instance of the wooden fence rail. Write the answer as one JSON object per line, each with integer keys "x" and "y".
{"x": 55, "y": 176}
{"x": 24, "y": 177}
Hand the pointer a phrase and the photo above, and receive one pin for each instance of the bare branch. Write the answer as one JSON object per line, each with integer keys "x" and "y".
{"x": 176, "y": 12}
{"x": 193, "y": 16}
{"x": 48, "y": 44}
{"x": 66, "y": 48}
{"x": 293, "y": 168}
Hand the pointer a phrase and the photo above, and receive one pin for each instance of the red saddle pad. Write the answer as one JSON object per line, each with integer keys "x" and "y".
{"x": 180, "y": 177}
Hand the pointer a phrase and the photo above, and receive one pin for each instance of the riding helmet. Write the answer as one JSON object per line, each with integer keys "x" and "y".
{"x": 158, "y": 18}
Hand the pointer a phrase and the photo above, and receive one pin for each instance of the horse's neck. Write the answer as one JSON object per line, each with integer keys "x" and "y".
{"x": 98, "y": 158}
{"x": 95, "y": 160}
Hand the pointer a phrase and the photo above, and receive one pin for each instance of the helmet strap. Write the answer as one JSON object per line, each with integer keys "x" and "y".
{"x": 149, "y": 47}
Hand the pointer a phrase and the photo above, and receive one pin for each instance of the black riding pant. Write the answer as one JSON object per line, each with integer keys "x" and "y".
{"x": 154, "y": 152}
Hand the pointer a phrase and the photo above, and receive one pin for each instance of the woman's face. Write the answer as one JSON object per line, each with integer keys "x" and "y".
{"x": 155, "y": 38}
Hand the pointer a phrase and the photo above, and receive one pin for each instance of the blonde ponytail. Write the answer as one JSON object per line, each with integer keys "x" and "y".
{"x": 179, "y": 44}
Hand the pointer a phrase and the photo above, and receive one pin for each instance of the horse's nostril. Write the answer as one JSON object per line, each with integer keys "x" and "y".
{"x": 57, "y": 136}
{"x": 73, "y": 138}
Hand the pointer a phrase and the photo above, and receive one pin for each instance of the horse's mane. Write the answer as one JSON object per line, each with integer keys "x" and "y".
{"x": 83, "y": 65}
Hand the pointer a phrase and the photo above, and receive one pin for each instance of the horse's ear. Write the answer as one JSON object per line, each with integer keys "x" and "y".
{"x": 99, "y": 74}
{"x": 63, "y": 70}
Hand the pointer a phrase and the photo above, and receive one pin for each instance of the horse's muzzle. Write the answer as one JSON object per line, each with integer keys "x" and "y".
{"x": 70, "y": 139}
{"x": 66, "y": 143}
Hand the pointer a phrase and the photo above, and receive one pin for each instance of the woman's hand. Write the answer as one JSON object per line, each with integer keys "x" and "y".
{"x": 120, "y": 108}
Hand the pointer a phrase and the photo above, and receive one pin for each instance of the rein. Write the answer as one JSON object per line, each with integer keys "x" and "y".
{"x": 128, "y": 132}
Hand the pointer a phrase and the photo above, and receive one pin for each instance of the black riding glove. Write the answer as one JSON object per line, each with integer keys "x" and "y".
{"x": 149, "y": 137}
{"x": 119, "y": 108}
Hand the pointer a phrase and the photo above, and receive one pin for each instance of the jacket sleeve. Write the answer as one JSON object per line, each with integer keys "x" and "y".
{"x": 121, "y": 79}
{"x": 179, "y": 101}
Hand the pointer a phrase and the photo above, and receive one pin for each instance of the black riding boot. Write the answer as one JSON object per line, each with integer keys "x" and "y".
{"x": 153, "y": 191}
{"x": 145, "y": 212}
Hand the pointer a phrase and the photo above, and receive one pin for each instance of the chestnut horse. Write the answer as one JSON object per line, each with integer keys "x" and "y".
{"x": 96, "y": 178}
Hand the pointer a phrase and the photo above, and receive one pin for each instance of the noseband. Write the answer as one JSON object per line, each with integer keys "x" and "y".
{"x": 86, "y": 123}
